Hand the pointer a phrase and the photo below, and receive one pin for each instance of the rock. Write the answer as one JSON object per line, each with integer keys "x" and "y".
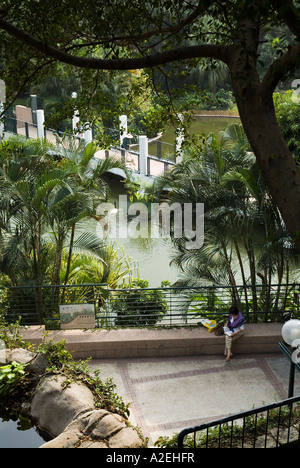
{"x": 97, "y": 429}
{"x": 39, "y": 364}
{"x": 67, "y": 412}
{"x": 126, "y": 438}
{"x": 67, "y": 439}
{"x": 55, "y": 407}
{"x": 23, "y": 356}
{"x": 107, "y": 426}
{"x": 93, "y": 444}
{"x": 91, "y": 419}
{"x": 4, "y": 357}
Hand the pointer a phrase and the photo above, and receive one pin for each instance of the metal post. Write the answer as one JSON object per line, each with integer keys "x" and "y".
{"x": 34, "y": 106}
{"x": 40, "y": 116}
{"x": 143, "y": 143}
{"x": 123, "y": 128}
{"x": 292, "y": 380}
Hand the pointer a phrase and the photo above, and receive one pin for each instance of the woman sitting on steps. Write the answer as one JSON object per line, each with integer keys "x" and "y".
{"x": 233, "y": 329}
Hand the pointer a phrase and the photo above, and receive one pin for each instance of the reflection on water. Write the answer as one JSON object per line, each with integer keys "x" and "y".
{"x": 18, "y": 432}
{"x": 152, "y": 256}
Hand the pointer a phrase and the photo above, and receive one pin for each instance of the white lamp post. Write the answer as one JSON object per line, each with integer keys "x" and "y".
{"x": 291, "y": 335}
{"x": 291, "y": 332}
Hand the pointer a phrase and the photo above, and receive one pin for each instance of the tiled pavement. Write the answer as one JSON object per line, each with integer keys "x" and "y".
{"x": 169, "y": 394}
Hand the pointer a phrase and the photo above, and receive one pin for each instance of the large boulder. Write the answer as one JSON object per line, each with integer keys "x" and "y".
{"x": 56, "y": 403}
{"x": 97, "y": 429}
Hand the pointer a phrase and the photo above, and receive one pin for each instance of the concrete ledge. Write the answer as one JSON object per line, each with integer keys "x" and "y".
{"x": 135, "y": 343}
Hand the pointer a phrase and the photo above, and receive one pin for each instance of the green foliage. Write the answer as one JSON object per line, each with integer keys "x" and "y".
{"x": 48, "y": 213}
{"x": 220, "y": 100}
{"x": 245, "y": 239}
{"x": 57, "y": 353}
{"x": 288, "y": 116}
{"x": 61, "y": 362}
{"x": 12, "y": 377}
{"x": 10, "y": 333}
{"x": 137, "y": 306}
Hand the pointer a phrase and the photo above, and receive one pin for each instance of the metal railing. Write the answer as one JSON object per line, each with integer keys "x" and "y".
{"x": 162, "y": 150}
{"x": 20, "y": 127}
{"x": 270, "y": 426}
{"x": 148, "y": 307}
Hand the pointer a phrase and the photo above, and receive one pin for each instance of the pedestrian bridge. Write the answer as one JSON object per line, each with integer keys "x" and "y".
{"x": 147, "y": 158}
{"x": 142, "y": 165}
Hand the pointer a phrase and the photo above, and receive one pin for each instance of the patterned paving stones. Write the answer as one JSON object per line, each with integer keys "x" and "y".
{"x": 169, "y": 394}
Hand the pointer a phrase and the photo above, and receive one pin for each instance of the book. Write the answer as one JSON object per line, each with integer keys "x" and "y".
{"x": 227, "y": 331}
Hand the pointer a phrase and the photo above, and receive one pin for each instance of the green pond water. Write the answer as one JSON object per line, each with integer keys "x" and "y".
{"x": 203, "y": 125}
{"x": 198, "y": 126}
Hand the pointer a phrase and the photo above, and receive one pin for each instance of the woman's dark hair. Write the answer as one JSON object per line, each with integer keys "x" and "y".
{"x": 234, "y": 310}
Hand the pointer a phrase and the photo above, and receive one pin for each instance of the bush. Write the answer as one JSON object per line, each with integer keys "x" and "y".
{"x": 12, "y": 378}
{"x": 138, "y": 307}
{"x": 288, "y": 116}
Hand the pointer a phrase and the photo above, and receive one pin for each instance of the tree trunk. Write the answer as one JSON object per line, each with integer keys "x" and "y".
{"x": 278, "y": 167}
{"x": 69, "y": 261}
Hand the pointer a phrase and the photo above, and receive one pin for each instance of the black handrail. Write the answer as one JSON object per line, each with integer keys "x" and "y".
{"x": 243, "y": 415}
{"x": 186, "y": 305}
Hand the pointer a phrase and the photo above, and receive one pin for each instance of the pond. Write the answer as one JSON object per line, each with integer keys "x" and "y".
{"x": 18, "y": 432}
{"x": 198, "y": 126}
{"x": 152, "y": 257}
{"x": 203, "y": 124}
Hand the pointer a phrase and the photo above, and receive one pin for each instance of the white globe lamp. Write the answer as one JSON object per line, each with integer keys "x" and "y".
{"x": 291, "y": 331}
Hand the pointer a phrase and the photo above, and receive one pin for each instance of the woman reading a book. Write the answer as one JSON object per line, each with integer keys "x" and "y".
{"x": 233, "y": 329}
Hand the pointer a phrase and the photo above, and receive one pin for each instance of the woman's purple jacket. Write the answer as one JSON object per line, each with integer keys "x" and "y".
{"x": 238, "y": 321}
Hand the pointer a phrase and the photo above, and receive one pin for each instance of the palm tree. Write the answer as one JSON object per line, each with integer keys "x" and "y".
{"x": 244, "y": 233}
{"x": 90, "y": 187}
{"x": 28, "y": 190}
{"x": 104, "y": 264}
{"x": 42, "y": 201}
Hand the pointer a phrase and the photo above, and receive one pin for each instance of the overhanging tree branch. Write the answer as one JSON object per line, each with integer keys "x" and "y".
{"x": 170, "y": 30}
{"x": 279, "y": 69}
{"x": 218, "y": 52}
{"x": 289, "y": 13}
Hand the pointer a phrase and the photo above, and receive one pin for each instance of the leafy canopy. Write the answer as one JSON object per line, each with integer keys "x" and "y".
{"x": 94, "y": 40}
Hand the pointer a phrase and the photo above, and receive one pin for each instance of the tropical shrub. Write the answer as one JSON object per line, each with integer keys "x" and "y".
{"x": 137, "y": 306}
{"x": 288, "y": 115}
{"x": 12, "y": 377}
{"x": 48, "y": 201}
{"x": 246, "y": 243}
